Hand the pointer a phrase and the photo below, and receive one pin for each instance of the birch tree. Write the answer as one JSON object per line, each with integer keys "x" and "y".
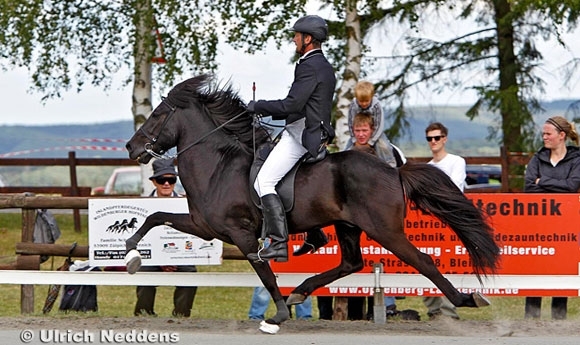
{"x": 67, "y": 44}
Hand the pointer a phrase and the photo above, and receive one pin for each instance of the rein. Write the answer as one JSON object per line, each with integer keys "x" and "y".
{"x": 148, "y": 146}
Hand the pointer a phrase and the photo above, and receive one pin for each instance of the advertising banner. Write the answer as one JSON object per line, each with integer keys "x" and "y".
{"x": 113, "y": 221}
{"x": 538, "y": 234}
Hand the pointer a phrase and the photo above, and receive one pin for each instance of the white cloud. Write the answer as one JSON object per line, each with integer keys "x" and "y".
{"x": 272, "y": 72}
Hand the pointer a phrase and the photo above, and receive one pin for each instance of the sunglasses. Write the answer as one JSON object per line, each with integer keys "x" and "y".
{"x": 436, "y": 137}
{"x": 162, "y": 180}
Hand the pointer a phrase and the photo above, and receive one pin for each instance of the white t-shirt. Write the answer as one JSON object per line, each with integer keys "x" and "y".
{"x": 454, "y": 167}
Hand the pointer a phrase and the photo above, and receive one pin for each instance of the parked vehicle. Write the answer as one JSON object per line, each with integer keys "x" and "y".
{"x": 124, "y": 181}
{"x": 483, "y": 177}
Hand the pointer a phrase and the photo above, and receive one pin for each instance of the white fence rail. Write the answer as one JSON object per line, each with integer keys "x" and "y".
{"x": 538, "y": 282}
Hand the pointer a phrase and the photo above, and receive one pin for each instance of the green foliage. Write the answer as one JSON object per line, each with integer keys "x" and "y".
{"x": 502, "y": 47}
{"x": 66, "y": 43}
{"x": 69, "y": 43}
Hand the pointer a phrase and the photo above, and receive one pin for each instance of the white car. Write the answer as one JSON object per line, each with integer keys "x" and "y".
{"x": 125, "y": 181}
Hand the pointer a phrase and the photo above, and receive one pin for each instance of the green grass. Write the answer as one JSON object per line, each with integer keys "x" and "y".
{"x": 210, "y": 302}
{"x": 119, "y": 301}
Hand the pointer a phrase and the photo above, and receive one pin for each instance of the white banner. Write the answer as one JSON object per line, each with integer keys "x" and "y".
{"x": 113, "y": 221}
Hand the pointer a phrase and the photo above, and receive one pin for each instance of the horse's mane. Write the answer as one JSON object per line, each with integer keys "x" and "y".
{"x": 222, "y": 103}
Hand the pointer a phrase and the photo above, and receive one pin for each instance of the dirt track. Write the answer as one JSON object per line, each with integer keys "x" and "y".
{"x": 439, "y": 328}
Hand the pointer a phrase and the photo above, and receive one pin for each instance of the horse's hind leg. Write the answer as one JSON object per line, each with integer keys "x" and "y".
{"x": 351, "y": 262}
{"x": 177, "y": 221}
{"x": 423, "y": 263}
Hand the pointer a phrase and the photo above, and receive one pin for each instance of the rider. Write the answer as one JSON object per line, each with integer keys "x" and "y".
{"x": 307, "y": 110}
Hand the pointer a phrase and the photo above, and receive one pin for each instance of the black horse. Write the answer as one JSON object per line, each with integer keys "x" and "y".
{"x": 215, "y": 140}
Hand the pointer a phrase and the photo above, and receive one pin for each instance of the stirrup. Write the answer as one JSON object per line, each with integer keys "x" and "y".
{"x": 259, "y": 259}
{"x": 261, "y": 246}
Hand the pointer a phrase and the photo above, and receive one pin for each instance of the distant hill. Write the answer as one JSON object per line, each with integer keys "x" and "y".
{"x": 58, "y": 140}
{"x": 468, "y": 137}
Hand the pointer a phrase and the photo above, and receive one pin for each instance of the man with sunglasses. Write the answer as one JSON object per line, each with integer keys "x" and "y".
{"x": 164, "y": 178}
{"x": 454, "y": 167}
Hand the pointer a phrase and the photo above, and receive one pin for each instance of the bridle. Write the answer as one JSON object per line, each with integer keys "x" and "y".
{"x": 153, "y": 139}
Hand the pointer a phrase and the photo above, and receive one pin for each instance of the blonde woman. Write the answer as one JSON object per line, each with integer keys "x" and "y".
{"x": 555, "y": 168}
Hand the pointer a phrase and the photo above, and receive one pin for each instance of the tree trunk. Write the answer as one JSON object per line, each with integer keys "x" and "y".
{"x": 142, "y": 90}
{"x": 510, "y": 104}
{"x": 351, "y": 73}
{"x": 508, "y": 84}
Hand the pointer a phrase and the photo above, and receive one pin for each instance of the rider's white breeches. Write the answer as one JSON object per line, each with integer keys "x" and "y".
{"x": 282, "y": 158}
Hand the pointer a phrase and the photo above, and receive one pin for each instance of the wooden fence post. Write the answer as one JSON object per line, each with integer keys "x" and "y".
{"x": 505, "y": 183}
{"x": 74, "y": 186}
{"x": 27, "y": 262}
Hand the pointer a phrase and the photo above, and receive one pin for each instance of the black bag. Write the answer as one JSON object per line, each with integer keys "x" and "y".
{"x": 46, "y": 229}
{"x": 80, "y": 297}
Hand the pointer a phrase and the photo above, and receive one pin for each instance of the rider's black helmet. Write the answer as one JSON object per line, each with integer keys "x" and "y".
{"x": 312, "y": 25}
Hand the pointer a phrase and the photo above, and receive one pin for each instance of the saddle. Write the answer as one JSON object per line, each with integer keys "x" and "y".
{"x": 284, "y": 188}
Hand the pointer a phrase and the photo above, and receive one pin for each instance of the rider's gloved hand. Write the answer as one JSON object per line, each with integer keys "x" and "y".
{"x": 250, "y": 107}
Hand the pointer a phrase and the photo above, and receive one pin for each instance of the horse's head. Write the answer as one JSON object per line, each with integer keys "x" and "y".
{"x": 159, "y": 133}
{"x": 153, "y": 137}
{"x": 195, "y": 111}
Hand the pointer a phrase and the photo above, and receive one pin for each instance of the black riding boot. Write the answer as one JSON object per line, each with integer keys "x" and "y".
{"x": 276, "y": 229}
{"x": 315, "y": 239}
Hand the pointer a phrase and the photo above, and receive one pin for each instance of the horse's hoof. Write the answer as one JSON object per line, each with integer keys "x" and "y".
{"x": 295, "y": 299}
{"x": 133, "y": 261}
{"x": 480, "y": 300}
{"x": 268, "y": 328}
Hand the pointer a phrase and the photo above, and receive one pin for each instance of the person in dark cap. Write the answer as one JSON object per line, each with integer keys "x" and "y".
{"x": 164, "y": 178}
{"x": 306, "y": 110}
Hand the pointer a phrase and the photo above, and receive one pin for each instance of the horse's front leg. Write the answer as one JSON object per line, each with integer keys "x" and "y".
{"x": 266, "y": 275}
{"x": 247, "y": 243}
{"x": 180, "y": 222}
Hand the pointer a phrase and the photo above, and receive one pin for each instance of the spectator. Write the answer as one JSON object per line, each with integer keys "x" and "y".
{"x": 325, "y": 309}
{"x": 555, "y": 168}
{"x": 164, "y": 178}
{"x": 454, "y": 167}
{"x": 261, "y": 300}
{"x": 362, "y": 128}
{"x": 366, "y": 102}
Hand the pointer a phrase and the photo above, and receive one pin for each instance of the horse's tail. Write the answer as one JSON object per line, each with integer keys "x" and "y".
{"x": 433, "y": 192}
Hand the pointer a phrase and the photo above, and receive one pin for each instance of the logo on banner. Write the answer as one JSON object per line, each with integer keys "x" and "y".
{"x": 206, "y": 246}
{"x": 123, "y": 226}
{"x": 170, "y": 247}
